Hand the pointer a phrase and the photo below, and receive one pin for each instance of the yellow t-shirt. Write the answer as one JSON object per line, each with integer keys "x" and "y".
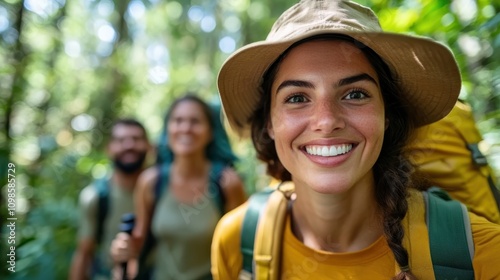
{"x": 374, "y": 262}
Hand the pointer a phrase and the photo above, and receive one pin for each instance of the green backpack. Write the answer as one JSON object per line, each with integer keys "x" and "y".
{"x": 102, "y": 187}
{"x": 447, "y": 221}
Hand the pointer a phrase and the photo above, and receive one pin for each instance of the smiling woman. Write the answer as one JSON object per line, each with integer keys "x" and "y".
{"x": 343, "y": 108}
{"x": 331, "y": 103}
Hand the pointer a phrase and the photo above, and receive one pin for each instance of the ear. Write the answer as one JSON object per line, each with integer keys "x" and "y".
{"x": 270, "y": 130}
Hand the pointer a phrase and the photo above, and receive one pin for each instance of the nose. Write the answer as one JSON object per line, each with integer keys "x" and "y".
{"x": 185, "y": 126}
{"x": 327, "y": 117}
{"x": 128, "y": 143}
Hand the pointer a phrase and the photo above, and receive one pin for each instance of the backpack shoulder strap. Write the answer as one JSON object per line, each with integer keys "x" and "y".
{"x": 215, "y": 188}
{"x": 256, "y": 203}
{"x": 102, "y": 186}
{"x": 450, "y": 236}
{"x": 266, "y": 213}
{"x": 269, "y": 237}
{"x": 161, "y": 181}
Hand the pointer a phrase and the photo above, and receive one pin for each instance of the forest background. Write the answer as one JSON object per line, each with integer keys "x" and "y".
{"x": 69, "y": 68}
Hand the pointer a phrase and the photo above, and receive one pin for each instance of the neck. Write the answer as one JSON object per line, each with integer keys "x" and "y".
{"x": 344, "y": 222}
{"x": 190, "y": 166}
{"x": 125, "y": 180}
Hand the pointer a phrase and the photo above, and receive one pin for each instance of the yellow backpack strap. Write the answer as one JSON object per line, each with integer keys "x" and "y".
{"x": 262, "y": 232}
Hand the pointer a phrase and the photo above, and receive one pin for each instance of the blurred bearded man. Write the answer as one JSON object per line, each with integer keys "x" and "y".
{"x": 103, "y": 202}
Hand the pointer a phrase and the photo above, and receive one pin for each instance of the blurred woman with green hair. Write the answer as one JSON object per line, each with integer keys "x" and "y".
{"x": 181, "y": 199}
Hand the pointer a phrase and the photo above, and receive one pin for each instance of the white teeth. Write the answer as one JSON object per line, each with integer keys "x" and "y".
{"x": 325, "y": 151}
{"x": 328, "y": 151}
{"x": 185, "y": 139}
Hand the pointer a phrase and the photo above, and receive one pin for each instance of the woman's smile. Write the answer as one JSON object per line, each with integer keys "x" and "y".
{"x": 327, "y": 116}
{"x": 328, "y": 151}
{"x": 328, "y": 156}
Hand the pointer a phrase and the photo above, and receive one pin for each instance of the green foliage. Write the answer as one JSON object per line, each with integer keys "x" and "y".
{"x": 71, "y": 67}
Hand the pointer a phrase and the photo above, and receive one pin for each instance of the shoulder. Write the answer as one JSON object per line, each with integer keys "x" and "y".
{"x": 145, "y": 194}
{"x": 89, "y": 210}
{"x": 88, "y": 197}
{"x": 231, "y": 223}
{"x": 230, "y": 177}
{"x": 149, "y": 174}
{"x": 148, "y": 177}
{"x": 226, "y": 256}
{"x": 481, "y": 226}
{"x": 486, "y": 237}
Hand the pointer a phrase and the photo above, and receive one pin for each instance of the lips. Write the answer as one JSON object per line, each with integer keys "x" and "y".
{"x": 185, "y": 139}
{"x": 328, "y": 150}
{"x": 129, "y": 156}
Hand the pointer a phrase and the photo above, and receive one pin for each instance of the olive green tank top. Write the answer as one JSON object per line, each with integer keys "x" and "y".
{"x": 183, "y": 234}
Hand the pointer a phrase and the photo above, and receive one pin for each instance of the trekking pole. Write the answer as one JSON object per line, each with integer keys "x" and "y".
{"x": 126, "y": 226}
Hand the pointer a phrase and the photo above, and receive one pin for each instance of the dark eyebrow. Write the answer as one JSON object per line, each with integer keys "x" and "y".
{"x": 356, "y": 78}
{"x": 342, "y": 82}
{"x": 294, "y": 83}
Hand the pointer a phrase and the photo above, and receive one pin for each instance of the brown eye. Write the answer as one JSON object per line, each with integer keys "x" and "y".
{"x": 296, "y": 99}
{"x": 356, "y": 94}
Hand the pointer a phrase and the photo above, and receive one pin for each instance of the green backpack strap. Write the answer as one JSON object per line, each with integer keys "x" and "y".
{"x": 256, "y": 203}
{"x": 450, "y": 236}
{"x": 215, "y": 188}
{"x": 102, "y": 188}
{"x": 161, "y": 182}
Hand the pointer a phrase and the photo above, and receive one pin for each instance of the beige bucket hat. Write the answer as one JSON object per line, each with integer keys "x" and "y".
{"x": 425, "y": 69}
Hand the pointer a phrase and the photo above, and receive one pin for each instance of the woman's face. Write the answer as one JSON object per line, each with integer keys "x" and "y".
{"x": 327, "y": 116}
{"x": 189, "y": 129}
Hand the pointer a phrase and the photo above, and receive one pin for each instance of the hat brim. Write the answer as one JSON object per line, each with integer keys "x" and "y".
{"x": 425, "y": 70}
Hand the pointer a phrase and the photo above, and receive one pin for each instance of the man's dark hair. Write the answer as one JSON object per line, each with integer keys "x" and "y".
{"x": 128, "y": 122}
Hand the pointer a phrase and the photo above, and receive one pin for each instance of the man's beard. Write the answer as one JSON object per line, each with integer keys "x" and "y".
{"x": 130, "y": 167}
